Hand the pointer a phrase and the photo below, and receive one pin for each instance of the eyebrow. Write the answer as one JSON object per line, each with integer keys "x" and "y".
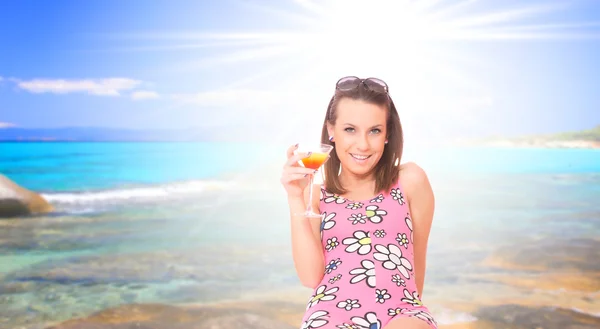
{"x": 375, "y": 126}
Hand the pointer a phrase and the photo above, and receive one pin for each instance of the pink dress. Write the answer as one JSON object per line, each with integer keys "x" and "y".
{"x": 369, "y": 273}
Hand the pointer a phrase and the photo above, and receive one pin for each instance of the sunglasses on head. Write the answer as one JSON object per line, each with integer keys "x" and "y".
{"x": 351, "y": 83}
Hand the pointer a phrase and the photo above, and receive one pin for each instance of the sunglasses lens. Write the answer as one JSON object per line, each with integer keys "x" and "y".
{"x": 348, "y": 83}
{"x": 376, "y": 84}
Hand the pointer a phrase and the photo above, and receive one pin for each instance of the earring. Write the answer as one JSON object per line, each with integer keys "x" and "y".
{"x": 331, "y": 138}
{"x": 386, "y": 141}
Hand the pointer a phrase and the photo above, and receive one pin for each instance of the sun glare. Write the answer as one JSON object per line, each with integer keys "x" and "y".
{"x": 423, "y": 49}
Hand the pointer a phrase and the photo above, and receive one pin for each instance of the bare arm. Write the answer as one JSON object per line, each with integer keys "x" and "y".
{"x": 307, "y": 249}
{"x": 422, "y": 204}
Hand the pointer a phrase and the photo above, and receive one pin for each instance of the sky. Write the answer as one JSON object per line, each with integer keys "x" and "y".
{"x": 456, "y": 68}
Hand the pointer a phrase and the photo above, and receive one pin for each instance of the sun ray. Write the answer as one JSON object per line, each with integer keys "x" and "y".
{"x": 311, "y": 6}
{"x": 411, "y": 44}
{"x": 504, "y": 16}
{"x": 278, "y": 13}
{"x": 555, "y": 26}
{"x": 452, "y": 9}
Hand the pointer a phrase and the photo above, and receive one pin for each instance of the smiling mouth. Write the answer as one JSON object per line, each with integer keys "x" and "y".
{"x": 360, "y": 157}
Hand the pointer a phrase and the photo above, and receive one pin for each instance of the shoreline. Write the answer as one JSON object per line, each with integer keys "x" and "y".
{"x": 536, "y": 143}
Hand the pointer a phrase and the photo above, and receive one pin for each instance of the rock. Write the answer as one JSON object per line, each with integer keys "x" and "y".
{"x": 18, "y": 201}
{"x": 158, "y": 316}
{"x": 551, "y": 264}
{"x": 524, "y": 317}
{"x": 549, "y": 255}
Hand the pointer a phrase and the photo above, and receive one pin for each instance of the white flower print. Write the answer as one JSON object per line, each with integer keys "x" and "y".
{"x": 394, "y": 311}
{"x": 379, "y": 233}
{"x": 315, "y": 320}
{"x": 357, "y": 218}
{"x": 402, "y": 240}
{"x": 331, "y": 244}
{"x": 333, "y": 265}
{"x": 361, "y": 242}
{"x": 377, "y": 199}
{"x": 366, "y": 271}
{"x": 346, "y": 326}
{"x": 330, "y": 197}
{"x": 418, "y": 313}
{"x": 327, "y": 223}
{"x": 409, "y": 224}
{"x": 412, "y": 299}
{"x": 348, "y": 304}
{"x": 382, "y": 295}
{"x": 397, "y": 195}
{"x": 423, "y": 315}
{"x": 369, "y": 321}
{"x": 335, "y": 278}
{"x": 392, "y": 259}
{"x": 322, "y": 295}
{"x": 374, "y": 213}
{"x": 354, "y": 205}
{"x": 398, "y": 280}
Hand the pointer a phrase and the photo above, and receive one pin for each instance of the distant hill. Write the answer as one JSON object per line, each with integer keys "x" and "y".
{"x": 589, "y": 138}
{"x": 592, "y": 135}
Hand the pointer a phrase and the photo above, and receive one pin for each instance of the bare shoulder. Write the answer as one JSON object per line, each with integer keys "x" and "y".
{"x": 418, "y": 192}
{"x": 413, "y": 177}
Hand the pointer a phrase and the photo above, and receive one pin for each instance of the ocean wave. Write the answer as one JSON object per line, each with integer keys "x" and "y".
{"x": 82, "y": 202}
{"x": 594, "y": 314}
{"x": 447, "y": 317}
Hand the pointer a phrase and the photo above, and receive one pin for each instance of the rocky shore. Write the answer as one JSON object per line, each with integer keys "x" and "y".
{"x": 288, "y": 315}
{"x": 549, "y": 283}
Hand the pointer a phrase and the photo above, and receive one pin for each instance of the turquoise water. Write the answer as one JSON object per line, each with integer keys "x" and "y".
{"x": 48, "y": 167}
{"x": 195, "y": 222}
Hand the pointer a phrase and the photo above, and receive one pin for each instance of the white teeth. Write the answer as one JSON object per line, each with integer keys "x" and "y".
{"x": 360, "y": 157}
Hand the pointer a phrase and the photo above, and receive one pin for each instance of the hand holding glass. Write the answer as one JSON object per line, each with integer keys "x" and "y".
{"x": 318, "y": 156}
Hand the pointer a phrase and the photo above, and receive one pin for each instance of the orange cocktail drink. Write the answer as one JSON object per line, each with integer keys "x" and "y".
{"x": 315, "y": 160}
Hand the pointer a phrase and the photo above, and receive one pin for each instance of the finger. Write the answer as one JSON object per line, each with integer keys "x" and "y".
{"x": 297, "y": 157}
{"x": 293, "y": 177}
{"x": 290, "y": 150}
{"x": 299, "y": 170}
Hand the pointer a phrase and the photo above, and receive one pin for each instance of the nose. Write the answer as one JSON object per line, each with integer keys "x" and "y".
{"x": 362, "y": 143}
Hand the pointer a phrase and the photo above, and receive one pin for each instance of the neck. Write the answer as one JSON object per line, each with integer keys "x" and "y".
{"x": 353, "y": 182}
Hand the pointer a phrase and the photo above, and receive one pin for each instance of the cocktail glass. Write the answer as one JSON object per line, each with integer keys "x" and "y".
{"x": 319, "y": 155}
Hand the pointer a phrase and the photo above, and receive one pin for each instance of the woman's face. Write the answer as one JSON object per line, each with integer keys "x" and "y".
{"x": 359, "y": 135}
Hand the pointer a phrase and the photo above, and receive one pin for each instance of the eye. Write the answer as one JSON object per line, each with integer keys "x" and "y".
{"x": 376, "y": 131}
{"x": 349, "y": 129}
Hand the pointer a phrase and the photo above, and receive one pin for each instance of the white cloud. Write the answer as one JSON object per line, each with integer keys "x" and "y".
{"x": 144, "y": 94}
{"x": 7, "y": 125}
{"x": 231, "y": 98}
{"x": 99, "y": 87}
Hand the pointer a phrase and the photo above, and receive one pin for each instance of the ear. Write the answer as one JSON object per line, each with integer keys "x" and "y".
{"x": 329, "y": 129}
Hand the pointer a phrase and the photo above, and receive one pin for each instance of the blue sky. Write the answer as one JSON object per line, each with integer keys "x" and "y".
{"x": 455, "y": 67}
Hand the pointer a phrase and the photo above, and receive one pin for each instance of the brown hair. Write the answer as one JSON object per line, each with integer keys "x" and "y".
{"x": 387, "y": 170}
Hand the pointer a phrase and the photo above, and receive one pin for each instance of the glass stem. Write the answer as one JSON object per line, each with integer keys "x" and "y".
{"x": 310, "y": 194}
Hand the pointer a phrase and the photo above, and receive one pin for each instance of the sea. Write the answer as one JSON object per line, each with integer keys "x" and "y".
{"x": 207, "y": 222}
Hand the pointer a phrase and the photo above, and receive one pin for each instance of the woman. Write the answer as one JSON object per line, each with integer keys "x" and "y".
{"x": 365, "y": 258}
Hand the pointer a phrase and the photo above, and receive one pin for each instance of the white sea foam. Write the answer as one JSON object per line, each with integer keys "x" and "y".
{"x": 594, "y": 314}
{"x": 139, "y": 193}
{"x": 446, "y": 316}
